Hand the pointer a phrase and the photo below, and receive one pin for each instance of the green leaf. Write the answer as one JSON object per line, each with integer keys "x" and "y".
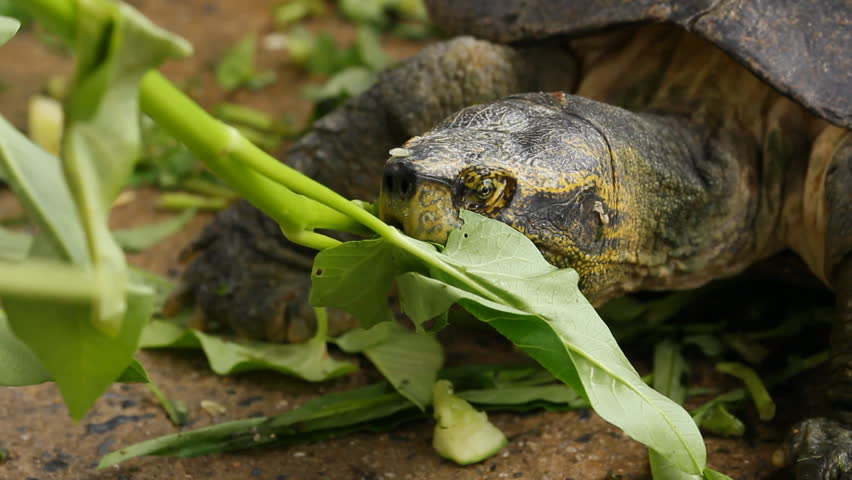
{"x": 14, "y": 246}
{"x": 140, "y": 238}
{"x": 663, "y": 469}
{"x": 356, "y": 277}
{"x": 161, "y": 286}
{"x": 327, "y": 58}
{"x": 506, "y": 396}
{"x": 410, "y": 361}
{"x": 8, "y": 28}
{"x": 336, "y": 413}
{"x": 372, "y": 408}
{"x": 717, "y": 419}
{"x": 538, "y": 307}
{"x": 762, "y": 399}
{"x": 91, "y": 343}
{"x": 345, "y": 84}
{"x": 309, "y": 361}
{"x": 116, "y": 46}
{"x": 134, "y": 373}
{"x": 18, "y": 364}
{"x": 37, "y": 179}
{"x": 710, "y": 474}
{"x": 364, "y": 11}
{"x": 542, "y": 312}
{"x": 669, "y": 368}
{"x": 237, "y": 64}
{"x": 296, "y": 10}
{"x": 369, "y": 47}
{"x": 82, "y": 360}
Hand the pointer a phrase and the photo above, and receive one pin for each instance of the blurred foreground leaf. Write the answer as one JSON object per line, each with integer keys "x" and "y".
{"x": 92, "y": 342}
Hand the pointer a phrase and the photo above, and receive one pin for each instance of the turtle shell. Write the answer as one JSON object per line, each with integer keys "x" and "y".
{"x": 800, "y": 47}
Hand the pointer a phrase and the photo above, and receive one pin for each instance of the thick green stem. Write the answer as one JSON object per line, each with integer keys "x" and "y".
{"x": 227, "y": 153}
{"x": 298, "y": 203}
{"x": 49, "y": 281}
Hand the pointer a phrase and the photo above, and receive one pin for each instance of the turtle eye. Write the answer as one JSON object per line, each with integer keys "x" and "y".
{"x": 483, "y": 190}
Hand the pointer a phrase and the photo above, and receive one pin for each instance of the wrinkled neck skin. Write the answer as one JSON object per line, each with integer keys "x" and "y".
{"x": 681, "y": 209}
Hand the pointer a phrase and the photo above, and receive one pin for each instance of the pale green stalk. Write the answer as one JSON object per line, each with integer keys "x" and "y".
{"x": 298, "y": 203}
{"x": 48, "y": 280}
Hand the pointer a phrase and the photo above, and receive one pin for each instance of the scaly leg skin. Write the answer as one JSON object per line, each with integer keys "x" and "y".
{"x": 821, "y": 448}
{"x": 246, "y": 276}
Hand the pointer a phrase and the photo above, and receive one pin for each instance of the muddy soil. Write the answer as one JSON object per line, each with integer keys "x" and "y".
{"x": 44, "y": 444}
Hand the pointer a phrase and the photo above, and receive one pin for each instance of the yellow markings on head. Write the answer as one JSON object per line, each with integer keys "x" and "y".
{"x": 486, "y": 190}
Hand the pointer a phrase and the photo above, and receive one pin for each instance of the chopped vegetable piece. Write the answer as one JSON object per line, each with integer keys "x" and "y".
{"x": 462, "y": 434}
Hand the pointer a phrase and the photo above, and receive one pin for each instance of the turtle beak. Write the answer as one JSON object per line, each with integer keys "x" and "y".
{"x": 419, "y": 204}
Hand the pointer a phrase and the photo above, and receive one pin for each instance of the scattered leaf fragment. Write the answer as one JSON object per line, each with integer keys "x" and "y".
{"x": 762, "y": 399}
{"x": 215, "y": 409}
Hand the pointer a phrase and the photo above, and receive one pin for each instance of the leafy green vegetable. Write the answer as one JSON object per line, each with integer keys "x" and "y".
{"x": 668, "y": 375}
{"x": 85, "y": 362}
{"x": 334, "y": 412}
{"x": 519, "y": 395}
{"x": 372, "y": 408}
{"x": 18, "y": 364}
{"x": 344, "y": 84}
{"x": 296, "y": 10}
{"x": 82, "y": 359}
{"x": 309, "y": 360}
{"x": 237, "y": 67}
{"x": 176, "y": 410}
{"x": 369, "y": 47}
{"x": 720, "y": 421}
{"x": 14, "y": 246}
{"x": 37, "y": 180}
{"x": 93, "y": 342}
{"x": 762, "y": 399}
{"x": 410, "y": 361}
{"x": 536, "y": 306}
{"x": 142, "y": 237}
{"x": 357, "y": 277}
{"x": 364, "y": 11}
{"x": 8, "y": 28}
{"x": 669, "y": 368}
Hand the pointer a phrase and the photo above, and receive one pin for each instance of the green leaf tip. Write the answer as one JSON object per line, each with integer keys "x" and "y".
{"x": 8, "y": 28}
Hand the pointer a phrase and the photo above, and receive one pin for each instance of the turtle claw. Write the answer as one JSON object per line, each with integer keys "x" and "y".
{"x": 820, "y": 449}
{"x": 246, "y": 277}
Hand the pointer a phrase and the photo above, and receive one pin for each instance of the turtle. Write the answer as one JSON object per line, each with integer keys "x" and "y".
{"x": 649, "y": 145}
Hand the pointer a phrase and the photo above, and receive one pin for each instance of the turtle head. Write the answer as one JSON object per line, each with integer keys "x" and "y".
{"x": 521, "y": 160}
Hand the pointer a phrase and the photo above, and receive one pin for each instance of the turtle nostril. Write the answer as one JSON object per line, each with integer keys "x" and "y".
{"x": 400, "y": 180}
{"x": 387, "y": 182}
{"x": 406, "y": 187}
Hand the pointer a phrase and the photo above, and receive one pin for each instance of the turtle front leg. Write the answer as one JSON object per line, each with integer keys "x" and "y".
{"x": 821, "y": 448}
{"x": 244, "y": 275}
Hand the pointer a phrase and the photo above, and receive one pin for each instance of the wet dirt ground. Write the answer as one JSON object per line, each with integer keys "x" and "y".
{"x": 44, "y": 444}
